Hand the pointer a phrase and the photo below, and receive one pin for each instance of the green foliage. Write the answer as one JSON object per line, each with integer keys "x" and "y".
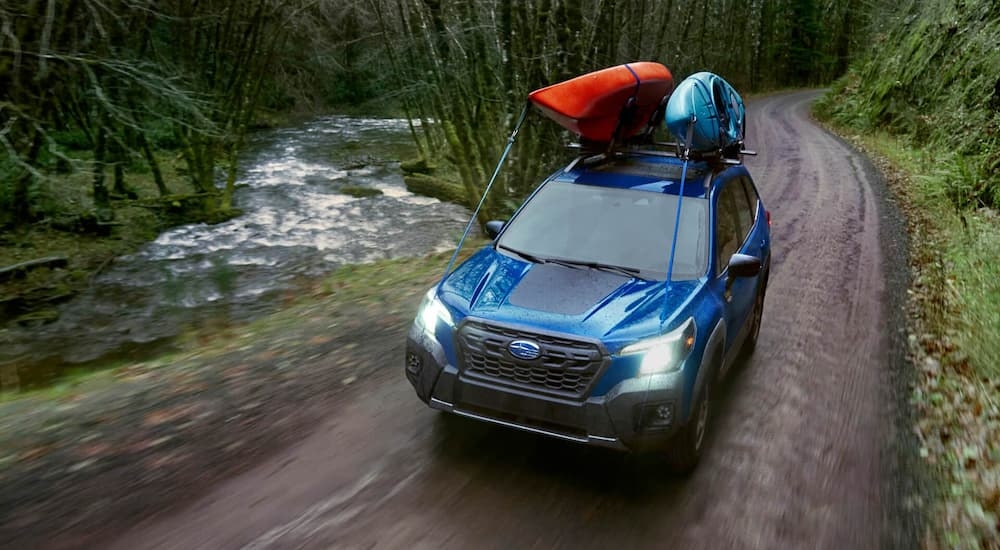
{"x": 72, "y": 139}
{"x": 973, "y": 262}
{"x": 190, "y": 76}
{"x": 353, "y": 87}
{"x": 968, "y": 244}
{"x": 9, "y": 172}
{"x": 161, "y": 135}
{"x": 933, "y": 77}
{"x": 419, "y": 165}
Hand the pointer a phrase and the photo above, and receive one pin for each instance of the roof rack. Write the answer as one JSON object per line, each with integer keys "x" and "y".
{"x": 592, "y": 153}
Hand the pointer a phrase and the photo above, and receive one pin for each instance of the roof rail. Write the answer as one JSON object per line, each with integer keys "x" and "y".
{"x": 594, "y": 153}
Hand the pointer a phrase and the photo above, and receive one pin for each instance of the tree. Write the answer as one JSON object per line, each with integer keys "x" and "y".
{"x": 112, "y": 69}
{"x": 468, "y": 65}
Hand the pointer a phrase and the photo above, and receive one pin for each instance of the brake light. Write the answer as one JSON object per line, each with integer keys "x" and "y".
{"x": 768, "y": 214}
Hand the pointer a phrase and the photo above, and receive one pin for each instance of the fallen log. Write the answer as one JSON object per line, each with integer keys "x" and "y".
{"x": 19, "y": 270}
{"x": 417, "y": 165}
{"x": 429, "y": 186}
{"x": 168, "y": 201}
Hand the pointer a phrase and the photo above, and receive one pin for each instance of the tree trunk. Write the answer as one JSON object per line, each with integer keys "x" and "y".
{"x": 154, "y": 165}
{"x": 21, "y": 198}
{"x": 102, "y": 200}
{"x": 118, "y": 157}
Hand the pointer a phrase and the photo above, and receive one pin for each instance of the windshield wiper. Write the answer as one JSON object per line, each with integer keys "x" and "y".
{"x": 619, "y": 269}
{"x": 576, "y": 264}
{"x": 525, "y": 255}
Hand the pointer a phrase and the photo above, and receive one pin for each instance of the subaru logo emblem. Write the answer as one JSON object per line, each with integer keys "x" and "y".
{"x": 524, "y": 349}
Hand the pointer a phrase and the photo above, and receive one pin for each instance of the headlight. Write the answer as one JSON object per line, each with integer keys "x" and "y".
{"x": 431, "y": 309}
{"x": 664, "y": 353}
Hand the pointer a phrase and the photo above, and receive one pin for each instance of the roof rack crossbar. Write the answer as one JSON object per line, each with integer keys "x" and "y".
{"x": 596, "y": 153}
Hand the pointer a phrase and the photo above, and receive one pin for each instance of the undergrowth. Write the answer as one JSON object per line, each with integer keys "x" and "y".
{"x": 961, "y": 247}
{"x": 934, "y": 76}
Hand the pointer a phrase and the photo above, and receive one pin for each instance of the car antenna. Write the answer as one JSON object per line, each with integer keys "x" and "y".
{"x": 493, "y": 178}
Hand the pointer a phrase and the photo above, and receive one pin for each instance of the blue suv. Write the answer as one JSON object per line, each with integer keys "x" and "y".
{"x": 579, "y": 322}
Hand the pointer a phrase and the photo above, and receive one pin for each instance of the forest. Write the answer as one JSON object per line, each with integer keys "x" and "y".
{"x": 105, "y": 90}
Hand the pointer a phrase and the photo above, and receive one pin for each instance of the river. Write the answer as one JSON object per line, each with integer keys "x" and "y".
{"x": 297, "y": 225}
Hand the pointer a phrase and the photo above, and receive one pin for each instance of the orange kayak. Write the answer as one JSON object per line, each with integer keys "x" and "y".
{"x": 590, "y": 105}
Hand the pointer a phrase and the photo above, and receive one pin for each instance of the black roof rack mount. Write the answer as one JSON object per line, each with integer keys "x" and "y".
{"x": 593, "y": 153}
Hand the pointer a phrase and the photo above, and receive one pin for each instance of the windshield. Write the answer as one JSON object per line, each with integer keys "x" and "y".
{"x": 617, "y": 227}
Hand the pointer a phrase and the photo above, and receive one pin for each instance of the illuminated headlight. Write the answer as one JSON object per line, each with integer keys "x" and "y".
{"x": 431, "y": 309}
{"x": 664, "y": 353}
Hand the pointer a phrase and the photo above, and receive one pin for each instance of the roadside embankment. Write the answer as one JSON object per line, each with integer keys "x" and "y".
{"x": 954, "y": 340}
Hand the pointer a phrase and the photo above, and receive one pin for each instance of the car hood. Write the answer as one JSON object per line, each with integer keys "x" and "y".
{"x": 551, "y": 297}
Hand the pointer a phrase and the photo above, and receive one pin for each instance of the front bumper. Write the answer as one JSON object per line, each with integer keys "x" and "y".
{"x": 619, "y": 419}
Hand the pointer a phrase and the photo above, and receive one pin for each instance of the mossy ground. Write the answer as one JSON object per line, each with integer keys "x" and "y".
{"x": 65, "y": 208}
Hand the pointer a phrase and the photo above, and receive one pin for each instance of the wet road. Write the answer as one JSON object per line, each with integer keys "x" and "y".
{"x": 795, "y": 458}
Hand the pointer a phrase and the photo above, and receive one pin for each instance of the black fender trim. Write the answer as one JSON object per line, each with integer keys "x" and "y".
{"x": 714, "y": 350}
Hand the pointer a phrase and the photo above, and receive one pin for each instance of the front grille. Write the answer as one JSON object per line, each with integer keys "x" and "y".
{"x": 566, "y": 367}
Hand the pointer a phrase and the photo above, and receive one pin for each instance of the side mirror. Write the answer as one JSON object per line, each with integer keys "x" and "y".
{"x": 742, "y": 265}
{"x": 493, "y": 228}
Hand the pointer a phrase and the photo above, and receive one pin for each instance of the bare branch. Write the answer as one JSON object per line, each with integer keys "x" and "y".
{"x": 43, "y": 49}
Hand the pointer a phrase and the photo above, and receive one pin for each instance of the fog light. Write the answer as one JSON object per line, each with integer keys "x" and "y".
{"x": 414, "y": 363}
{"x": 656, "y": 416}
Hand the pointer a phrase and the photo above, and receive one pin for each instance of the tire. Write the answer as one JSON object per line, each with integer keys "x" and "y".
{"x": 686, "y": 446}
{"x": 750, "y": 344}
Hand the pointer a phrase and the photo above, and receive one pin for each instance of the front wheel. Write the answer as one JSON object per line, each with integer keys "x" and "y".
{"x": 686, "y": 446}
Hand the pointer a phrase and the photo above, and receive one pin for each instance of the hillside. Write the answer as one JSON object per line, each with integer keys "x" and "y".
{"x": 934, "y": 77}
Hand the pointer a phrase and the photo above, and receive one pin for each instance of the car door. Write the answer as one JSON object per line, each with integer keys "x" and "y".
{"x": 734, "y": 222}
{"x": 754, "y": 219}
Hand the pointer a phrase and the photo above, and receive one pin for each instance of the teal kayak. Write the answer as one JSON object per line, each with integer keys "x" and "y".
{"x": 706, "y": 113}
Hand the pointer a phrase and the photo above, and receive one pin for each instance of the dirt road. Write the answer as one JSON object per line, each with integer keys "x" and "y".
{"x": 801, "y": 452}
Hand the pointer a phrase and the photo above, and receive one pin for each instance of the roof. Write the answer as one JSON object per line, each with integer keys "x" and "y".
{"x": 660, "y": 174}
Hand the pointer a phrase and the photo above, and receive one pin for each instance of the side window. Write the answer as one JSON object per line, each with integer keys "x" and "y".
{"x": 728, "y": 234}
{"x": 738, "y": 189}
{"x": 752, "y": 197}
